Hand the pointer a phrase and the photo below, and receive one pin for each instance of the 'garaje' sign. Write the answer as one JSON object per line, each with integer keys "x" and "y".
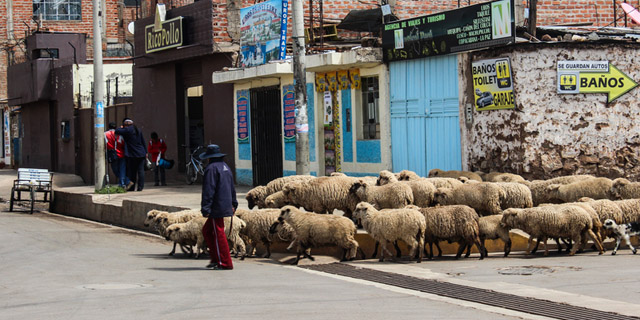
{"x": 593, "y": 77}
{"x": 492, "y": 84}
{"x": 168, "y": 36}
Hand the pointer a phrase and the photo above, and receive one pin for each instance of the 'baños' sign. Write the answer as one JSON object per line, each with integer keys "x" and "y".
{"x": 168, "y": 36}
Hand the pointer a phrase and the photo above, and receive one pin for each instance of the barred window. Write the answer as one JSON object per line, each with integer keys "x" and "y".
{"x": 57, "y": 9}
{"x": 370, "y": 108}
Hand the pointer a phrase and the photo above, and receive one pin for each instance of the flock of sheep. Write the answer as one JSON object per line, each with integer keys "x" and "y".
{"x": 454, "y": 206}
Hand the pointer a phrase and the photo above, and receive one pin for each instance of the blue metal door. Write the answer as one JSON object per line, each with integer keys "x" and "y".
{"x": 425, "y": 129}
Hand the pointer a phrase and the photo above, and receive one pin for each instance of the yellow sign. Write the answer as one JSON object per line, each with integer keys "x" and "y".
{"x": 593, "y": 77}
{"x": 493, "y": 84}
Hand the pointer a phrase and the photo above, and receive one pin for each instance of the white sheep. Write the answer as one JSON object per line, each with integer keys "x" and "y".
{"x": 454, "y": 174}
{"x": 190, "y": 233}
{"x": 163, "y": 220}
{"x": 561, "y": 221}
{"x": 407, "y": 175}
{"x": 256, "y": 197}
{"x": 323, "y": 194}
{"x": 393, "y": 195}
{"x": 445, "y": 182}
{"x": 539, "y": 191}
{"x": 502, "y": 177}
{"x": 517, "y": 195}
{"x": 630, "y": 210}
{"x": 622, "y": 188}
{"x": 390, "y": 225}
{"x": 314, "y": 230}
{"x": 278, "y": 184}
{"x": 257, "y": 229}
{"x": 491, "y": 228}
{"x": 276, "y": 200}
{"x": 485, "y": 197}
{"x": 595, "y": 188}
{"x": 457, "y": 223}
{"x": 422, "y": 188}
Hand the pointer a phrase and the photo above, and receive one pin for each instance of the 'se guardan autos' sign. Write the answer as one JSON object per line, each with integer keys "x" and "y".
{"x": 166, "y": 37}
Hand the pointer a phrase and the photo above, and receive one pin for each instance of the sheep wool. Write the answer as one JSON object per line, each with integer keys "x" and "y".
{"x": 257, "y": 229}
{"x": 393, "y": 195}
{"x": 407, "y": 175}
{"x": 484, "y": 197}
{"x": 313, "y": 230}
{"x": 595, "y": 188}
{"x": 502, "y": 177}
{"x": 390, "y": 225}
{"x": 457, "y": 223}
{"x": 256, "y": 197}
{"x": 188, "y": 233}
{"x": 322, "y": 195}
{"x": 517, "y": 195}
{"x": 539, "y": 191}
{"x": 630, "y": 210}
{"x": 491, "y": 228}
{"x": 279, "y": 183}
{"x": 454, "y": 174}
{"x": 625, "y": 189}
{"x": 276, "y": 200}
{"x": 445, "y": 182}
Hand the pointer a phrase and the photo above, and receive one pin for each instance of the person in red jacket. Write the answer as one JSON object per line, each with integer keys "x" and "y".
{"x": 115, "y": 154}
{"x": 157, "y": 148}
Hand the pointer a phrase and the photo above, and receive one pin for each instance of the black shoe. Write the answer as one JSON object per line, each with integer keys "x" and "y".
{"x": 213, "y": 266}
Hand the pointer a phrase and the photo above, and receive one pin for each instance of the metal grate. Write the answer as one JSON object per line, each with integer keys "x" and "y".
{"x": 497, "y": 299}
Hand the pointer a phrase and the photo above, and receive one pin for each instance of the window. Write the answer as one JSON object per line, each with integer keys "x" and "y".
{"x": 45, "y": 53}
{"x": 57, "y": 9}
{"x": 370, "y": 109}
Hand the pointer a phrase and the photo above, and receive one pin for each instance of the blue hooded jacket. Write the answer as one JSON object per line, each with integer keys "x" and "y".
{"x": 218, "y": 191}
{"x": 135, "y": 146}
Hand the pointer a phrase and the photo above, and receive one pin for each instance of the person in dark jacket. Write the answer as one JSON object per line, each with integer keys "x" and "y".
{"x": 135, "y": 151}
{"x": 218, "y": 201}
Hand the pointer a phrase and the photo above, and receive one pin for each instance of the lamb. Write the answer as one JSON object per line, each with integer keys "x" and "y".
{"x": 322, "y": 195}
{"x": 565, "y": 221}
{"x": 454, "y": 174}
{"x": 623, "y": 231}
{"x": 257, "y": 229}
{"x": 276, "y": 200}
{"x": 517, "y": 195}
{"x": 452, "y": 223}
{"x": 491, "y": 228}
{"x": 484, "y": 197}
{"x": 190, "y": 233}
{"x": 622, "y": 188}
{"x": 313, "y": 230}
{"x": 391, "y": 225}
{"x": 539, "y": 191}
{"x": 502, "y": 177}
{"x": 258, "y": 195}
{"x": 422, "y": 189}
{"x": 163, "y": 220}
{"x": 596, "y": 188}
{"x": 393, "y": 195}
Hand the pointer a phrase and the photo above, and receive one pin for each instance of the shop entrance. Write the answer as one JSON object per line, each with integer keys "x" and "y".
{"x": 193, "y": 121}
{"x": 266, "y": 134}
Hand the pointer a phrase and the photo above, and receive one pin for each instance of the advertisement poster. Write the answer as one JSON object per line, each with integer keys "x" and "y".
{"x": 263, "y": 32}
{"x": 243, "y": 116}
{"x": 472, "y": 27}
{"x": 492, "y": 84}
{"x": 289, "y": 104}
{"x": 576, "y": 76}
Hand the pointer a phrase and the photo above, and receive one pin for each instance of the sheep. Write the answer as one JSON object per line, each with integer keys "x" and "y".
{"x": 622, "y": 188}
{"x": 454, "y": 174}
{"x": 322, "y": 195}
{"x": 445, "y": 182}
{"x": 276, "y": 200}
{"x": 393, "y": 195}
{"x": 539, "y": 191}
{"x": 163, "y": 220}
{"x": 422, "y": 188}
{"x": 386, "y": 177}
{"x": 491, "y": 227}
{"x": 502, "y": 177}
{"x": 484, "y": 197}
{"x": 407, "y": 175}
{"x": 257, "y": 229}
{"x": 190, "y": 233}
{"x": 564, "y": 221}
{"x": 277, "y": 184}
{"x": 596, "y": 188}
{"x": 256, "y": 197}
{"x": 597, "y": 227}
{"x": 151, "y": 215}
{"x": 391, "y": 225}
{"x": 313, "y": 230}
{"x": 452, "y": 223}
{"x": 630, "y": 210}
{"x": 623, "y": 231}
{"x": 517, "y": 195}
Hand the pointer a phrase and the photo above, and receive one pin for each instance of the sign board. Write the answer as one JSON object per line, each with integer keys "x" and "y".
{"x": 579, "y": 76}
{"x": 492, "y": 84}
{"x": 168, "y": 36}
{"x": 243, "y": 116}
{"x": 473, "y": 27}
{"x": 289, "y": 104}
{"x": 263, "y": 32}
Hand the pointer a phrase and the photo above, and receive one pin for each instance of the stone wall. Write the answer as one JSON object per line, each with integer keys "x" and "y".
{"x": 553, "y": 134}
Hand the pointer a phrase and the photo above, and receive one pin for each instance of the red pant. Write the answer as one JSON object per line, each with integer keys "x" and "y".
{"x": 216, "y": 239}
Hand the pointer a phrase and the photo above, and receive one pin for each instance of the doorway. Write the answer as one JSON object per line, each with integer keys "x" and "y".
{"x": 266, "y": 134}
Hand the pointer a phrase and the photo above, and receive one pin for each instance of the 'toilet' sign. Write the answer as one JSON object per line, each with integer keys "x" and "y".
{"x": 593, "y": 77}
{"x": 162, "y": 34}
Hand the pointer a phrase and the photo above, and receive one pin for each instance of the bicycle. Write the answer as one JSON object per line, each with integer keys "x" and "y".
{"x": 194, "y": 166}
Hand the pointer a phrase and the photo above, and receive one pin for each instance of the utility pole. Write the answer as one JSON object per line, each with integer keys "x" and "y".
{"x": 533, "y": 16}
{"x": 300, "y": 79}
{"x": 98, "y": 97}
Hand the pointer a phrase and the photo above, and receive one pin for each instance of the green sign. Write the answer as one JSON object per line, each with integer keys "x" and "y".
{"x": 474, "y": 27}
{"x": 169, "y": 35}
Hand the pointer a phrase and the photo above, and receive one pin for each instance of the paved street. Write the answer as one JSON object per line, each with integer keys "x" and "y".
{"x": 61, "y": 268}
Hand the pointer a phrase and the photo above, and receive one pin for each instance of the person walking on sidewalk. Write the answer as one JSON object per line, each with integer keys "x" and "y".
{"x": 157, "y": 149}
{"x": 115, "y": 155}
{"x": 218, "y": 201}
{"x": 135, "y": 152}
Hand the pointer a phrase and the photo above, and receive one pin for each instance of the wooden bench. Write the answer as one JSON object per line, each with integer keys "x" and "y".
{"x": 32, "y": 181}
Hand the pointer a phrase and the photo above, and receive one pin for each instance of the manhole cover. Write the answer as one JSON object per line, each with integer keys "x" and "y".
{"x": 531, "y": 270}
{"x": 114, "y": 286}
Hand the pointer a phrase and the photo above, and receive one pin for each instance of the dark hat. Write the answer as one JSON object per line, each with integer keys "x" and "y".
{"x": 213, "y": 151}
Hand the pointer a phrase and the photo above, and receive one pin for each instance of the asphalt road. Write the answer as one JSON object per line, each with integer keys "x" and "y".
{"x": 55, "y": 267}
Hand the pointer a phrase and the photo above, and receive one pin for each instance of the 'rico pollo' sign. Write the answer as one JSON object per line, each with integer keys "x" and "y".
{"x": 169, "y": 35}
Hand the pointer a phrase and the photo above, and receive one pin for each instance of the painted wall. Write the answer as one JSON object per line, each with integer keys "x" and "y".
{"x": 553, "y": 134}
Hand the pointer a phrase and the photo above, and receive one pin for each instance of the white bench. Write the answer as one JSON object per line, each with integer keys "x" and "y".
{"x": 32, "y": 181}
